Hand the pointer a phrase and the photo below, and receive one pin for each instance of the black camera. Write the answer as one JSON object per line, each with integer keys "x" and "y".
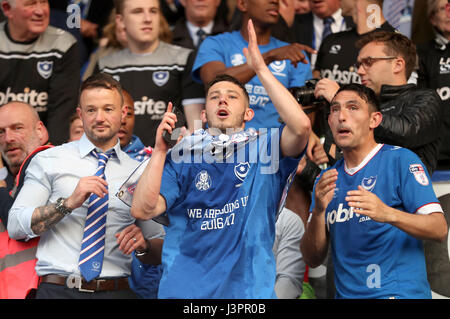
{"x": 305, "y": 96}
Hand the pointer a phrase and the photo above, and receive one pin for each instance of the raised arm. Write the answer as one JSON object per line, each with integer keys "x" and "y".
{"x": 147, "y": 201}
{"x": 298, "y": 127}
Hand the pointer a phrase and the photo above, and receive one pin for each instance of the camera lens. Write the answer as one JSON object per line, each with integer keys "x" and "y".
{"x": 305, "y": 96}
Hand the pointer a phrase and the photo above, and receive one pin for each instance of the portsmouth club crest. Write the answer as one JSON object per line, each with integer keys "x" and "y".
{"x": 241, "y": 171}
{"x": 96, "y": 266}
{"x": 368, "y": 183}
{"x": 419, "y": 174}
{"x": 45, "y": 68}
{"x": 160, "y": 77}
{"x": 237, "y": 59}
{"x": 278, "y": 66}
{"x": 203, "y": 181}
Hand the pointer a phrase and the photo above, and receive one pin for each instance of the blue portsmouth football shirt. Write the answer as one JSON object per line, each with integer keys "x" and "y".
{"x": 227, "y": 48}
{"x": 372, "y": 259}
{"x": 222, "y": 214}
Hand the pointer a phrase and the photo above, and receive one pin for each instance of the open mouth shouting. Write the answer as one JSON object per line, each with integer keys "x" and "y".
{"x": 222, "y": 113}
{"x": 344, "y": 132}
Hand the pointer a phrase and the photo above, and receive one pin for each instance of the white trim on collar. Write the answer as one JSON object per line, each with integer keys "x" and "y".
{"x": 354, "y": 170}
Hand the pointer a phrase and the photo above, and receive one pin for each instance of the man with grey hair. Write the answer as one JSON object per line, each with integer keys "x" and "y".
{"x": 39, "y": 63}
{"x": 21, "y": 131}
{"x": 22, "y": 135}
{"x": 326, "y": 17}
{"x": 200, "y": 20}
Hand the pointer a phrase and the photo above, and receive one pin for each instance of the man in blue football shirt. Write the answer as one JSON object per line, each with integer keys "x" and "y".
{"x": 375, "y": 206}
{"x": 221, "y": 191}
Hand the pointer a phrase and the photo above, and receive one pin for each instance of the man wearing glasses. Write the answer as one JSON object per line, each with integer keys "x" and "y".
{"x": 412, "y": 117}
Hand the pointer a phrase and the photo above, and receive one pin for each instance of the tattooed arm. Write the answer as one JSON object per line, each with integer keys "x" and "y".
{"x": 27, "y": 221}
{"x": 46, "y": 216}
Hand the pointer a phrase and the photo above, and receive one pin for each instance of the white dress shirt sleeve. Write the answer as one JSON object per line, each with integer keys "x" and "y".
{"x": 151, "y": 229}
{"x": 34, "y": 193}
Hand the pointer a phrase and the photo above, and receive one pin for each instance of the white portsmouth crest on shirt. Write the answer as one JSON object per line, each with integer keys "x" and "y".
{"x": 160, "y": 77}
{"x": 45, "y": 68}
{"x": 419, "y": 174}
{"x": 335, "y": 48}
{"x": 203, "y": 181}
{"x": 241, "y": 170}
{"x": 278, "y": 67}
{"x": 368, "y": 183}
{"x": 237, "y": 59}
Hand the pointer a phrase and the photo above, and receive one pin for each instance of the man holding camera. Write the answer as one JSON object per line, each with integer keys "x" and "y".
{"x": 412, "y": 117}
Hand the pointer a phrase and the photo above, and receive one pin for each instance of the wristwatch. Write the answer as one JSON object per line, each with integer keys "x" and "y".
{"x": 145, "y": 252}
{"x": 141, "y": 253}
{"x": 59, "y": 206}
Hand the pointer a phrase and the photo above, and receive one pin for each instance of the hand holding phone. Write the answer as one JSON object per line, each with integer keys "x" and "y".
{"x": 171, "y": 139}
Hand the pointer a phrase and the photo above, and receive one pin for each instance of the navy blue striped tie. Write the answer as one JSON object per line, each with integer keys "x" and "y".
{"x": 201, "y": 34}
{"x": 327, "y": 22}
{"x": 93, "y": 244}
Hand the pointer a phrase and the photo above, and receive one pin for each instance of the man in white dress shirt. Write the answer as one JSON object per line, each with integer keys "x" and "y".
{"x": 200, "y": 20}
{"x": 53, "y": 203}
{"x": 325, "y": 17}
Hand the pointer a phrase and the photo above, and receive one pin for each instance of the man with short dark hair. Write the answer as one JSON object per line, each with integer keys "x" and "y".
{"x": 375, "y": 206}
{"x": 412, "y": 117}
{"x": 219, "y": 194}
{"x": 338, "y": 52}
{"x": 129, "y": 142}
{"x": 67, "y": 194}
